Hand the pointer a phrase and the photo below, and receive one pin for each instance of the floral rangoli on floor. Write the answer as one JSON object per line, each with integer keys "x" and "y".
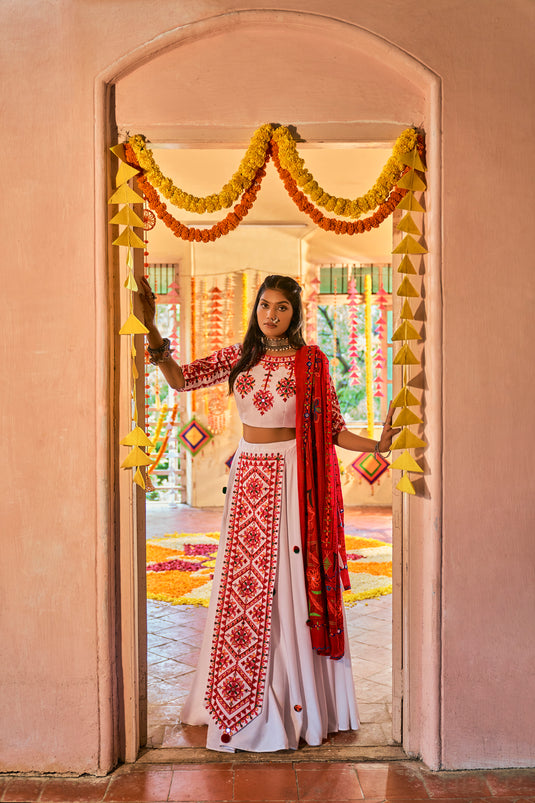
{"x": 180, "y": 568}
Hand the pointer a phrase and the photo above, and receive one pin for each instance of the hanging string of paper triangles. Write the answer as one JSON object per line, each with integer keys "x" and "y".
{"x": 407, "y": 331}
{"x": 124, "y": 195}
{"x": 353, "y": 306}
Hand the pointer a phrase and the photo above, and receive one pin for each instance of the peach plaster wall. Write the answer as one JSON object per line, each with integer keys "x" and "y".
{"x": 58, "y": 690}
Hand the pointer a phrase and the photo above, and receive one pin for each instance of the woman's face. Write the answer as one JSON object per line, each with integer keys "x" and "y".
{"x": 274, "y": 313}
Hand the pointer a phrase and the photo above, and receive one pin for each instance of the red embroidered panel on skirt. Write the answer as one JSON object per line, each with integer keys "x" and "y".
{"x": 240, "y": 643}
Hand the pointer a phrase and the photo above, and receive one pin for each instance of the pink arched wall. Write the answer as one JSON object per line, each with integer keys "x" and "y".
{"x": 60, "y": 685}
{"x": 393, "y": 91}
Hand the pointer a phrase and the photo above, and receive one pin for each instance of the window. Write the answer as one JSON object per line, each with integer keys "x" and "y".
{"x": 334, "y": 329}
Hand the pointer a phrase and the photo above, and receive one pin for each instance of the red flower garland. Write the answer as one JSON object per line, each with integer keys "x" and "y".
{"x": 330, "y": 223}
{"x": 191, "y": 233}
{"x": 234, "y": 218}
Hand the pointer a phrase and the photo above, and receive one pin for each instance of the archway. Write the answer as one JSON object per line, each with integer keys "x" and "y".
{"x": 397, "y": 91}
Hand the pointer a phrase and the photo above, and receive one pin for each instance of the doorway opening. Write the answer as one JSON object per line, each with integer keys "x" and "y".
{"x": 315, "y": 53}
{"x": 174, "y": 630}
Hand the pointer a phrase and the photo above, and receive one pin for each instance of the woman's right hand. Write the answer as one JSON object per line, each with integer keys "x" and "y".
{"x": 148, "y": 302}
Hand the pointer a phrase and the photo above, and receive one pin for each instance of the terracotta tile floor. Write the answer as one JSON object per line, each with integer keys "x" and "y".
{"x": 174, "y": 634}
{"x": 399, "y": 782}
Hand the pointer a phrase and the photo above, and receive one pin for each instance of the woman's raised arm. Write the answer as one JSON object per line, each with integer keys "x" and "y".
{"x": 157, "y": 345}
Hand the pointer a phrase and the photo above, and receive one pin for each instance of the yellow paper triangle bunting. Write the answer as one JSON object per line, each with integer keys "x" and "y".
{"x": 406, "y": 312}
{"x": 406, "y": 266}
{"x": 407, "y": 224}
{"x": 136, "y": 438}
{"x": 412, "y": 181}
{"x": 405, "y": 485}
{"x": 404, "y": 357}
{"x": 409, "y": 245}
{"x": 126, "y": 172}
{"x": 406, "y": 418}
{"x": 136, "y": 457}
{"x": 138, "y": 479}
{"x": 406, "y": 289}
{"x": 118, "y": 150}
{"x": 129, "y": 238}
{"x": 125, "y": 195}
{"x": 130, "y": 282}
{"x": 406, "y": 462}
{"x": 406, "y": 331}
{"x": 410, "y": 204}
{"x": 127, "y": 217}
{"x": 408, "y": 440}
{"x": 133, "y": 326}
{"x": 405, "y": 398}
{"x": 412, "y": 159}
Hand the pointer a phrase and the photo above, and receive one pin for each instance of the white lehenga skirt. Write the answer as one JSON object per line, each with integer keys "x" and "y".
{"x": 293, "y": 692}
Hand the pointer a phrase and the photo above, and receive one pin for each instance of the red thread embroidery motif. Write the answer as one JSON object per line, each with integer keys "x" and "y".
{"x": 240, "y": 644}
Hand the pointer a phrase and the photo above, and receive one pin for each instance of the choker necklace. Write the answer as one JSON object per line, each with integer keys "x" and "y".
{"x": 277, "y": 344}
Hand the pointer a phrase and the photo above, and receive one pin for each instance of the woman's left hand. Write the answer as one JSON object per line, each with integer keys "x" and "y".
{"x": 389, "y": 432}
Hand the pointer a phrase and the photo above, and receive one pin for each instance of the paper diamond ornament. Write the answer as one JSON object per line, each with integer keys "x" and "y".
{"x": 370, "y": 466}
{"x": 194, "y": 436}
{"x": 229, "y": 460}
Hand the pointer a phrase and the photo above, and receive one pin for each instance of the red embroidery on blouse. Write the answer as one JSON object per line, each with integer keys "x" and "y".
{"x": 263, "y": 400}
{"x": 211, "y": 370}
{"x": 244, "y": 384}
{"x": 286, "y": 387}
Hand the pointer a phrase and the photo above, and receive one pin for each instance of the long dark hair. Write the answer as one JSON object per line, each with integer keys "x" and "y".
{"x": 253, "y": 348}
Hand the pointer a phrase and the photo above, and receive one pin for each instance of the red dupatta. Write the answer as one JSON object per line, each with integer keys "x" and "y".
{"x": 320, "y": 503}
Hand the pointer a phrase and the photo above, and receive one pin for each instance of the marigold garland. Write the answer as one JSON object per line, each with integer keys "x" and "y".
{"x": 191, "y": 233}
{"x": 292, "y": 163}
{"x": 244, "y": 177}
{"x": 329, "y": 223}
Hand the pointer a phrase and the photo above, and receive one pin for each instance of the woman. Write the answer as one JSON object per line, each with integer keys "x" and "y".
{"x": 275, "y": 667}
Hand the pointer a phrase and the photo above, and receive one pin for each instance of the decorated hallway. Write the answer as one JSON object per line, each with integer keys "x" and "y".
{"x": 175, "y": 631}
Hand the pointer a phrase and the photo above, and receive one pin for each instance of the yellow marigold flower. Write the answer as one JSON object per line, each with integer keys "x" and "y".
{"x": 253, "y": 159}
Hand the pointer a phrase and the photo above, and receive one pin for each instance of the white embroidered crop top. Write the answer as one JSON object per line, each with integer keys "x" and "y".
{"x": 264, "y": 395}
